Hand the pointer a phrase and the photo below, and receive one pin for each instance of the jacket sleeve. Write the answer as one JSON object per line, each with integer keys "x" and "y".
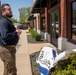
{"x": 5, "y": 34}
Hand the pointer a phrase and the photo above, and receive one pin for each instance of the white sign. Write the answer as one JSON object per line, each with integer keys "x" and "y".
{"x": 49, "y": 57}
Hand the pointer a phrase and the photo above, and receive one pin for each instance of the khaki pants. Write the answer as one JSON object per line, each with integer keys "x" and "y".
{"x": 7, "y": 55}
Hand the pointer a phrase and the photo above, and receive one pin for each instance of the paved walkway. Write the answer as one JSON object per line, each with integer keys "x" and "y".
{"x": 22, "y": 56}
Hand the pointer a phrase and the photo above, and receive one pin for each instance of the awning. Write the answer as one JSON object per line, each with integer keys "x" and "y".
{"x": 38, "y": 5}
{"x": 41, "y": 4}
{"x": 31, "y": 17}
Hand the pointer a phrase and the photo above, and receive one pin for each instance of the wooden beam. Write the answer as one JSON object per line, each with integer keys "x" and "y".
{"x": 38, "y": 8}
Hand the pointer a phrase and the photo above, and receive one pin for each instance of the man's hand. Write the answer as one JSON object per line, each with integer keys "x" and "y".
{"x": 18, "y": 32}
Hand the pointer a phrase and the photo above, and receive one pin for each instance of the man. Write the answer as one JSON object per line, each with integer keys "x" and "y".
{"x": 8, "y": 39}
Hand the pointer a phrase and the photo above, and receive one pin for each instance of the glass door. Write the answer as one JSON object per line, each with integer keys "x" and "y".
{"x": 55, "y": 26}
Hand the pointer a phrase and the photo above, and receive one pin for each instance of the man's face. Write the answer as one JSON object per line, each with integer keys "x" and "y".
{"x": 8, "y": 11}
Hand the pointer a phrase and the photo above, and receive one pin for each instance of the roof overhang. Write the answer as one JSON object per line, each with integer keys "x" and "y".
{"x": 31, "y": 17}
{"x": 38, "y": 5}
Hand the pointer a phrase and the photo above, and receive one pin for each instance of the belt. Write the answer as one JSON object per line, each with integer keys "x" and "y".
{"x": 8, "y": 46}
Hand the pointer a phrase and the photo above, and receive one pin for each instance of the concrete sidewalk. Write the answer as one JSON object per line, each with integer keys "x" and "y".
{"x": 22, "y": 56}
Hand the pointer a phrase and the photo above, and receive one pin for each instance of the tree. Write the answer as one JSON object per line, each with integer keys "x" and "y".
{"x": 24, "y": 14}
{"x": 13, "y": 20}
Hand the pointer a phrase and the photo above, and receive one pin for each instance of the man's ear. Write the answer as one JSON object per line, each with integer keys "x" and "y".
{"x": 3, "y": 11}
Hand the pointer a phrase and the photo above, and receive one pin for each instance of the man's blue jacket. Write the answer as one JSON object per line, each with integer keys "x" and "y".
{"x": 8, "y": 34}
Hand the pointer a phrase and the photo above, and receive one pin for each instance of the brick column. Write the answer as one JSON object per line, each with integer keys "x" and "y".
{"x": 46, "y": 19}
{"x": 63, "y": 18}
{"x": 39, "y": 21}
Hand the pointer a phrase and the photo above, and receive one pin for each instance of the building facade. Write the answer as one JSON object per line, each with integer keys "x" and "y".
{"x": 56, "y": 22}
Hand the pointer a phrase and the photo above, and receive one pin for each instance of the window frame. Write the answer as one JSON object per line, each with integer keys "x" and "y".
{"x": 72, "y": 19}
{"x": 69, "y": 21}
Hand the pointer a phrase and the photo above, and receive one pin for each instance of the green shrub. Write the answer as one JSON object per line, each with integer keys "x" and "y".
{"x": 66, "y": 67}
{"x": 35, "y": 35}
{"x": 30, "y": 29}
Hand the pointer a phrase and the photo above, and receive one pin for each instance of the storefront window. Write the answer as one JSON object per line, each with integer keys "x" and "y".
{"x": 74, "y": 20}
{"x": 55, "y": 26}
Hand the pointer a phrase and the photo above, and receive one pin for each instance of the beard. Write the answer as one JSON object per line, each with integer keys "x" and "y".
{"x": 9, "y": 15}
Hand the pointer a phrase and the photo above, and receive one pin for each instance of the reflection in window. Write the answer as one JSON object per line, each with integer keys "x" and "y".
{"x": 74, "y": 20}
{"x": 43, "y": 28}
{"x": 55, "y": 25}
